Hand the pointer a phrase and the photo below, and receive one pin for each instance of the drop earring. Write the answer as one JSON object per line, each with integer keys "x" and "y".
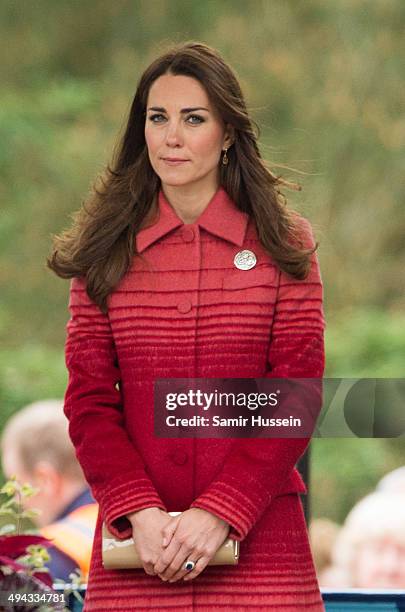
{"x": 225, "y": 159}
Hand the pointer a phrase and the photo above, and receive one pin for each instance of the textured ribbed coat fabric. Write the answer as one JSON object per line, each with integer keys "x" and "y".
{"x": 184, "y": 310}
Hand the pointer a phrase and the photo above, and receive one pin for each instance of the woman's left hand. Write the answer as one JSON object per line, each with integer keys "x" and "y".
{"x": 195, "y": 535}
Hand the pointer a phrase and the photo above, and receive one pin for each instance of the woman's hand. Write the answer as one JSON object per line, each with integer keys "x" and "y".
{"x": 147, "y": 526}
{"x": 195, "y": 535}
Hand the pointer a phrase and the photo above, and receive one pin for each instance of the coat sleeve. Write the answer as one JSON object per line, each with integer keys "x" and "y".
{"x": 111, "y": 464}
{"x": 255, "y": 468}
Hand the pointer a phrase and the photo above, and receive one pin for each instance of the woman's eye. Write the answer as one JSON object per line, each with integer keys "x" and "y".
{"x": 198, "y": 117}
{"x": 152, "y": 117}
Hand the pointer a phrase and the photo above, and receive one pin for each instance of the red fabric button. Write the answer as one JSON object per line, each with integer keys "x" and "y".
{"x": 187, "y": 233}
{"x": 184, "y": 306}
{"x": 179, "y": 457}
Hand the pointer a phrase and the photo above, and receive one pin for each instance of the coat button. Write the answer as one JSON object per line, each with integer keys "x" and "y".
{"x": 184, "y": 306}
{"x": 187, "y": 233}
{"x": 179, "y": 457}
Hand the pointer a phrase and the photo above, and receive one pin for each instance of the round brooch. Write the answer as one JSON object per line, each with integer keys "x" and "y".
{"x": 245, "y": 260}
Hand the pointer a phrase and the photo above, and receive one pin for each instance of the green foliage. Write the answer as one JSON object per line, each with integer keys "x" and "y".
{"x": 13, "y": 520}
{"x": 27, "y": 374}
{"x": 77, "y": 582}
{"x": 11, "y": 508}
{"x": 365, "y": 342}
{"x": 345, "y": 470}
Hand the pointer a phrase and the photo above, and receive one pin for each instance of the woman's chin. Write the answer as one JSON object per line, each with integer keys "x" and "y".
{"x": 175, "y": 181}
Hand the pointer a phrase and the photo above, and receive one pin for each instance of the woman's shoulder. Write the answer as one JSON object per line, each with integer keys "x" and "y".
{"x": 302, "y": 232}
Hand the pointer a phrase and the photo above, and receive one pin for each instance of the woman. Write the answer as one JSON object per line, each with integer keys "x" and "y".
{"x": 158, "y": 291}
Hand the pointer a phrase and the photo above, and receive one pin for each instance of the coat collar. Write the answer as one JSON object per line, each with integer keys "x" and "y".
{"x": 220, "y": 217}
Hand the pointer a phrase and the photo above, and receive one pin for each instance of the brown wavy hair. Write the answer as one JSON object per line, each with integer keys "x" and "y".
{"x": 100, "y": 244}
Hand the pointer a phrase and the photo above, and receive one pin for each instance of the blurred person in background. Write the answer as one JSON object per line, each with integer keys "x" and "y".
{"x": 369, "y": 552}
{"x": 323, "y": 534}
{"x": 36, "y": 448}
{"x": 393, "y": 482}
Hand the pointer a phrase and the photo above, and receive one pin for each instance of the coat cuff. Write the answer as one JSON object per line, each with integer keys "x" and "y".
{"x": 229, "y": 501}
{"x": 125, "y": 497}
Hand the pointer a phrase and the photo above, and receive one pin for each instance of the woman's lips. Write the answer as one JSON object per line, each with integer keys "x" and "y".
{"x": 174, "y": 162}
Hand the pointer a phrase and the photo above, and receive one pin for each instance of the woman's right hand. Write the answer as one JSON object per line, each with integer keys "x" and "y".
{"x": 147, "y": 525}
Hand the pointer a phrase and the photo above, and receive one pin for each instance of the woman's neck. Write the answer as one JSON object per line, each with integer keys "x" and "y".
{"x": 188, "y": 204}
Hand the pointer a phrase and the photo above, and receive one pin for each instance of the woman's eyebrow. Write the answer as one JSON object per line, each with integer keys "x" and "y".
{"x": 183, "y": 110}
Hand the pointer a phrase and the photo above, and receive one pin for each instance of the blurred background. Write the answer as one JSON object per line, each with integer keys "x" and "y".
{"x": 323, "y": 80}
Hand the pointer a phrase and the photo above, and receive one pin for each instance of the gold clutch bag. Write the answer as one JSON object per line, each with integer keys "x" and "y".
{"x": 122, "y": 554}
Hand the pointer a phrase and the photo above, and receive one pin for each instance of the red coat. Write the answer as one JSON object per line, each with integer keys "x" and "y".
{"x": 184, "y": 310}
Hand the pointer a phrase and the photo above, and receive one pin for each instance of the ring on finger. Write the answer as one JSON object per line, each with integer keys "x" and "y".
{"x": 189, "y": 565}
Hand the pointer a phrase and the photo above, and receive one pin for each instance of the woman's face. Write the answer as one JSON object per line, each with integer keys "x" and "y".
{"x": 182, "y": 124}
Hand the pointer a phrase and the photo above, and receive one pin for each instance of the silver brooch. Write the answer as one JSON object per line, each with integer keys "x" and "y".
{"x": 245, "y": 260}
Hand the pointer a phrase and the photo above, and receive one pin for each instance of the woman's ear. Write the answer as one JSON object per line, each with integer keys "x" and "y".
{"x": 229, "y": 136}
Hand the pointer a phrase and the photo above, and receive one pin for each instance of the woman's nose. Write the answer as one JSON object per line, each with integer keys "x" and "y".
{"x": 174, "y": 133}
